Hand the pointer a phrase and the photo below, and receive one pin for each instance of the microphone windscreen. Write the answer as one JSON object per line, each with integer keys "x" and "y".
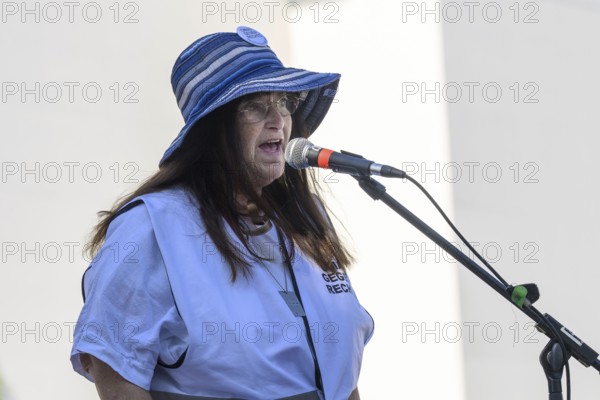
{"x": 295, "y": 153}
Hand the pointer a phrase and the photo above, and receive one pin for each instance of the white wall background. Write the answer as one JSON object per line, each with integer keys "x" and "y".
{"x": 541, "y": 213}
{"x": 382, "y": 49}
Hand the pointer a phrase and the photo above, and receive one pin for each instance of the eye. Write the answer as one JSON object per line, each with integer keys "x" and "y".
{"x": 289, "y": 103}
{"x": 255, "y": 107}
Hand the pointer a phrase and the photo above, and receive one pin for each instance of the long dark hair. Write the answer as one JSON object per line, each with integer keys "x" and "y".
{"x": 208, "y": 165}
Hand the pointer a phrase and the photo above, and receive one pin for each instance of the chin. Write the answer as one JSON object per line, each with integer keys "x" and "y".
{"x": 270, "y": 173}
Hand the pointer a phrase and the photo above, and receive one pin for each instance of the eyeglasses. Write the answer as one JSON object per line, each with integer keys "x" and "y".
{"x": 257, "y": 110}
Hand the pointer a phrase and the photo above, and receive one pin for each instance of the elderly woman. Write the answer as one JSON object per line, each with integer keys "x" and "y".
{"x": 222, "y": 276}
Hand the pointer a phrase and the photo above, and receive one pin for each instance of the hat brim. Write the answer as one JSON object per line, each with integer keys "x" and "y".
{"x": 321, "y": 88}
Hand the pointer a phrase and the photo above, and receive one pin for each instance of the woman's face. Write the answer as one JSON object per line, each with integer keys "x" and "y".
{"x": 264, "y": 125}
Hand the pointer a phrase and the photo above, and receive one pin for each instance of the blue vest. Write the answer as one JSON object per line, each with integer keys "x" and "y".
{"x": 161, "y": 310}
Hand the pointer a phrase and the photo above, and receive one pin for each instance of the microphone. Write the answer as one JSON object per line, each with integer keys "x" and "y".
{"x": 300, "y": 153}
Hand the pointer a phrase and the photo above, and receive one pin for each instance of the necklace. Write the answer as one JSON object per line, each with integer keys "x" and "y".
{"x": 289, "y": 297}
{"x": 275, "y": 279}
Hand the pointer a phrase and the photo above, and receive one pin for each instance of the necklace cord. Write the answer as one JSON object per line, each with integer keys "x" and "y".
{"x": 288, "y": 263}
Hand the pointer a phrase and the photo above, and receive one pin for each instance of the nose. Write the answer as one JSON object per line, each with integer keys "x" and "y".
{"x": 274, "y": 118}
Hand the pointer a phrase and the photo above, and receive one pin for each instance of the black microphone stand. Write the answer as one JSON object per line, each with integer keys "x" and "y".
{"x": 552, "y": 357}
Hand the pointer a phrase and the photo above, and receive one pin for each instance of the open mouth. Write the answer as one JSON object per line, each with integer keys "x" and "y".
{"x": 271, "y": 146}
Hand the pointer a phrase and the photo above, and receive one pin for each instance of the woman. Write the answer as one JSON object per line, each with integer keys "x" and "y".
{"x": 221, "y": 276}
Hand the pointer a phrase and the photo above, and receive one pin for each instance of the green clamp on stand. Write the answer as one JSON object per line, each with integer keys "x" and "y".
{"x": 521, "y": 293}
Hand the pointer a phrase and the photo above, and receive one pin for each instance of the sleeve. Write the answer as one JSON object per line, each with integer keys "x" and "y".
{"x": 129, "y": 319}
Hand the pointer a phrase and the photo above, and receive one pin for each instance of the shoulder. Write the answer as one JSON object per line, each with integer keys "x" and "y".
{"x": 158, "y": 209}
{"x": 174, "y": 199}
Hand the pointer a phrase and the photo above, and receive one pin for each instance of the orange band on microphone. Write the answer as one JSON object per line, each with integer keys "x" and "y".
{"x": 323, "y": 158}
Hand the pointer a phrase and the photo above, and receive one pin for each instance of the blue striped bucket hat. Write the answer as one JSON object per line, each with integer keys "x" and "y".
{"x": 222, "y": 67}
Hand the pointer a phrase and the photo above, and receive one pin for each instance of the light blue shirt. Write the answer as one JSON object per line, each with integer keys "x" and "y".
{"x": 161, "y": 310}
